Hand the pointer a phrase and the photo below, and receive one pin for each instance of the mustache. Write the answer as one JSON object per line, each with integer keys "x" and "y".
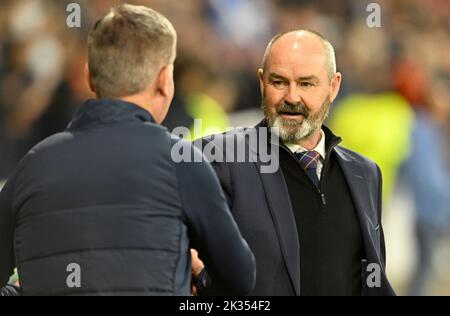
{"x": 290, "y": 108}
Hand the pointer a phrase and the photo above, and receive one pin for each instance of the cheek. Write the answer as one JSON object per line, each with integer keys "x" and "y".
{"x": 273, "y": 97}
{"x": 314, "y": 101}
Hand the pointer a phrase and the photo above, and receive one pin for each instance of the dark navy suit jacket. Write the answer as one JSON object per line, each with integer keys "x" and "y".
{"x": 262, "y": 208}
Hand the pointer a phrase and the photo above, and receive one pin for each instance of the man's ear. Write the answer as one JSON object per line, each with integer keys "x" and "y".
{"x": 335, "y": 86}
{"x": 164, "y": 81}
{"x": 162, "y": 91}
{"x": 89, "y": 78}
{"x": 261, "y": 80}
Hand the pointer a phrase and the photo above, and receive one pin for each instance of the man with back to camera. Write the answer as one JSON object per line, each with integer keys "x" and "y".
{"x": 106, "y": 196}
{"x": 314, "y": 224}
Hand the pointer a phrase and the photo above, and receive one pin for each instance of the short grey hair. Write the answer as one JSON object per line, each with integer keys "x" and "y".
{"x": 328, "y": 47}
{"x": 126, "y": 49}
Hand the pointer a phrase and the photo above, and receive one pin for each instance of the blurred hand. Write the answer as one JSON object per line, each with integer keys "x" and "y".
{"x": 197, "y": 264}
{"x": 197, "y": 267}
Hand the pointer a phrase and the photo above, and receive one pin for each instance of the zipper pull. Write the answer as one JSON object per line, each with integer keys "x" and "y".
{"x": 324, "y": 200}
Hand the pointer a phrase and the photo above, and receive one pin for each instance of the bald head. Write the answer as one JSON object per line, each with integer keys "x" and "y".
{"x": 300, "y": 42}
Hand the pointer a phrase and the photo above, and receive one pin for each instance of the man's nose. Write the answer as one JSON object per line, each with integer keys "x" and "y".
{"x": 293, "y": 94}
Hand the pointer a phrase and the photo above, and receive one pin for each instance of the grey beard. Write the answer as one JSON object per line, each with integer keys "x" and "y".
{"x": 292, "y": 131}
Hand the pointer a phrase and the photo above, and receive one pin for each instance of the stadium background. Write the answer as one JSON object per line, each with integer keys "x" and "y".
{"x": 390, "y": 73}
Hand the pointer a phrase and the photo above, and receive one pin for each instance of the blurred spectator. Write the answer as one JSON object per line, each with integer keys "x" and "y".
{"x": 201, "y": 95}
{"x": 243, "y": 23}
{"x": 429, "y": 177}
{"x": 383, "y": 122}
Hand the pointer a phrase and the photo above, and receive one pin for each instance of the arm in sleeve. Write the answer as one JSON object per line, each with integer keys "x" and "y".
{"x": 213, "y": 231}
{"x": 7, "y": 258}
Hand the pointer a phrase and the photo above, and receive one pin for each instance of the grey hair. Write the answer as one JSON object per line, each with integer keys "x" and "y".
{"x": 126, "y": 49}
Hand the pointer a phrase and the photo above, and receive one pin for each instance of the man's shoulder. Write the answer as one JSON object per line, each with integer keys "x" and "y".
{"x": 222, "y": 140}
{"x": 74, "y": 140}
{"x": 52, "y": 141}
{"x": 101, "y": 134}
{"x": 41, "y": 151}
{"x": 231, "y": 134}
{"x": 353, "y": 156}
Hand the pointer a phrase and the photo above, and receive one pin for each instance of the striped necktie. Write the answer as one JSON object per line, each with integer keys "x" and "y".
{"x": 309, "y": 161}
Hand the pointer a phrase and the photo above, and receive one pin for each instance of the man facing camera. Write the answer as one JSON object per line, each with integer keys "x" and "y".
{"x": 314, "y": 223}
{"x": 102, "y": 208}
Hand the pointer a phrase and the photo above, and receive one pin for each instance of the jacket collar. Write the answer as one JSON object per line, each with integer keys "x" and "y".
{"x": 101, "y": 112}
{"x": 331, "y": 140}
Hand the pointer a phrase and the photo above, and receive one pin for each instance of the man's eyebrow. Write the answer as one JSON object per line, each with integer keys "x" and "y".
{"x": 308, "y": 78}
{"x": 274, "y": 75}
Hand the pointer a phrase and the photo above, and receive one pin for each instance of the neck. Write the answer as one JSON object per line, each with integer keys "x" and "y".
{"x": 312, "y": 140}
{"x": 139, "y": 100}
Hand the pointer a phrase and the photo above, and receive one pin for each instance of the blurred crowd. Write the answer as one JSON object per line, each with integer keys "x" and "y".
{"x": 395, "y": 92}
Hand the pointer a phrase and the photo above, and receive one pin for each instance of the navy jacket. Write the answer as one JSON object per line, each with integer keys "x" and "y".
{"x": 261, "y": 206}
{"x": 107, "y": 195}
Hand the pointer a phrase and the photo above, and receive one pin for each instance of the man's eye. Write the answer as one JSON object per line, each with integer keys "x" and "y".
{"x": 278, "y": 83}
{"x": 306, "y": 84}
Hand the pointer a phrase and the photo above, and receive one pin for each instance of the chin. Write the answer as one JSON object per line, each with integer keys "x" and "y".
{"x": 291, "y": 130}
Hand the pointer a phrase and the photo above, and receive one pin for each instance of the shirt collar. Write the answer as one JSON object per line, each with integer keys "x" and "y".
{"x": 320, "y": 148}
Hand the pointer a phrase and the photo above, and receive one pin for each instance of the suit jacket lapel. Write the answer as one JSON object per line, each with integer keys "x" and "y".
{"x": 277, "y": 195}
{"x": 283, "y": 217}
{"x": 357, "y": 182}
